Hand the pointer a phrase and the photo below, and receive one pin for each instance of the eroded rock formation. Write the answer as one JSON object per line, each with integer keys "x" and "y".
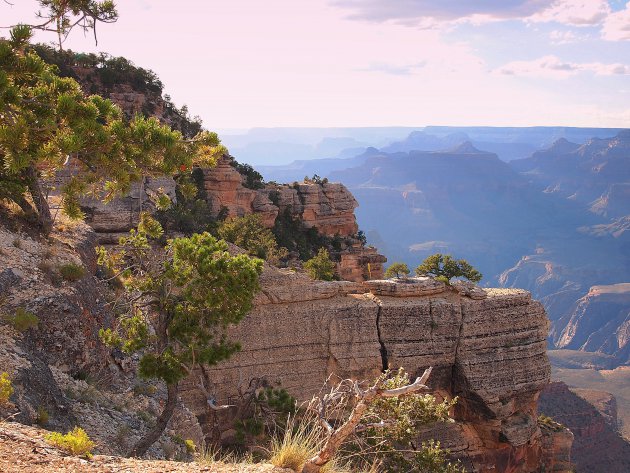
{"x": 326, "y": 207}
{"x": 591, "y": 416}
{"x": 490, "y": 352}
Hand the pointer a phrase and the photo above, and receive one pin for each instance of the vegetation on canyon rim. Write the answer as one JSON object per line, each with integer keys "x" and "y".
{"x": 180, "y": 295}
{"x": 47, "y": 120}
{"x": 439, "y": 266}
{"x": 445, "y": 267}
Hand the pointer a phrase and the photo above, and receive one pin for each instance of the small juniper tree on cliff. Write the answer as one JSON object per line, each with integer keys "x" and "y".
{"x": 181, "y": 299}
{"x": 445, "y": 267}
{"x": 321, "y": 266}
{"x": 397, "y": 270}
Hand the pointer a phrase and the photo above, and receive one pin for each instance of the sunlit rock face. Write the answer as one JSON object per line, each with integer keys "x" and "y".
{"x": 488, "y": 351}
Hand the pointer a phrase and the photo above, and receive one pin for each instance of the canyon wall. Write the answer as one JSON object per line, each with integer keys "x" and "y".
{"x": 488, "y": 349}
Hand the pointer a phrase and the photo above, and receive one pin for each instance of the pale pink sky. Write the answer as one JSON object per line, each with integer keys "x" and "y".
{"x": 244, "y": 63}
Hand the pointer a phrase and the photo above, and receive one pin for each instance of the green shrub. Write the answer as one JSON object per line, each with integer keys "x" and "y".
{"x": 253, "y": 179}
{"x": 190, "y": 446}
{"x": 6, "y": 388}
{"x": 71, "y": 272}
{"x": 445, "y": 267}
{"x": 76, "y": 442}
{"x": 546, "y": 421}
{"x": 42, "y": 416}
{"x": 397, "y": 270}
{"x": 249, "y": 233}
{"x": 321, "y": 266}
{"x": 22, "y": 320}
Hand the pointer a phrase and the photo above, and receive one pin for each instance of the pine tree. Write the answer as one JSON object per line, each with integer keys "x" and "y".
{"x": 397, "y": 270}
{"x": 46, "y": 121}
{"x": 445, "y": 267}
{"x": 180, "y": 300}
{"x": 62, "y": 16}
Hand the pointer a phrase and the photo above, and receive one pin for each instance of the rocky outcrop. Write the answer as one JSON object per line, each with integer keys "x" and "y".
{"x": 489, "y": 352}
{"x": 328, "y": 207}
{"x": 557, "y": 441}
{"x": 225, "y": 192}
{"x": 325, "y": 207}
{"x": 597, "y": 445}
{"x": 360, "y": 263}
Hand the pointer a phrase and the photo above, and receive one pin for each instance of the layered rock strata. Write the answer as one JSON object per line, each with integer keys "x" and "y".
{"x": 326, "y": 207}
{"x": 490, "y": 352}
{"x": 591, "y": 416}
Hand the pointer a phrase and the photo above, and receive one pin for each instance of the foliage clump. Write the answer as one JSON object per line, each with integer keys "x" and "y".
{"x": 249, "y": 233}
{"x": 397, "y": 270}
{"x": 266, "y": 411}
{"x": 290, "y": 233}
{"x": 549, "y": 423}
{"x": 445, "y": 267}
{"x": 321, "y": 266}
{"x": 6, "y": 388}
{"x": 71, "y": 271}
{"x": 76, "y": 442}
{"x": 356, "y": 426}
{"x": 253, "y": 179}
{"x": 22, "y": 320}
{"x": 191, "y": 212}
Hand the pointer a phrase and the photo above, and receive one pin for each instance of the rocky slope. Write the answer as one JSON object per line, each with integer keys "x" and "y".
{"x": 591, "y": 416}
{"x": 24, "y": 450}
{"x": 599, "y": 322}
{"x": 487, "y": 347}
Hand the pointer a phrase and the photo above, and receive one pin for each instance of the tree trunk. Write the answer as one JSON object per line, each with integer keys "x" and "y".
{"x": 44, "y": 216}
{"x": 141, "y": 447}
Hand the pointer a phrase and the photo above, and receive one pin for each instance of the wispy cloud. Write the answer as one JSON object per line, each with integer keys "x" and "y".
{"x": 394, "y": 69}
{"x": 574, "y": 12}
{"x": 617, "y": 25}
{"x": 419, "y": 11}
{"x": 566, "y": 37}
{"x": 554, "y": 68}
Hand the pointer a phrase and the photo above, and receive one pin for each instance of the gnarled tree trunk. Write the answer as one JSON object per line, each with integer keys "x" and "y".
{"x": 141, "y": 447}
{"x": 44, "y": 216}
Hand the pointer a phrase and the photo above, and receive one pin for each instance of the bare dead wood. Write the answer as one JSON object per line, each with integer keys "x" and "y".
{"x": 337, "y": 437}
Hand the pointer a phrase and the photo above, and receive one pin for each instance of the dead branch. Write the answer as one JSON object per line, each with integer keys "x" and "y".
{"x": 336, "y": 437}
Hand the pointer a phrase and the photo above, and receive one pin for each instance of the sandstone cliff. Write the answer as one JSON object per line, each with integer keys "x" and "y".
{"x": 489, "y": 351}
{"x": 486, "y": 346}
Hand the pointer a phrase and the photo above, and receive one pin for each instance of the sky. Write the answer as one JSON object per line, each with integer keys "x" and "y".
{"x": 312, "y": 63}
